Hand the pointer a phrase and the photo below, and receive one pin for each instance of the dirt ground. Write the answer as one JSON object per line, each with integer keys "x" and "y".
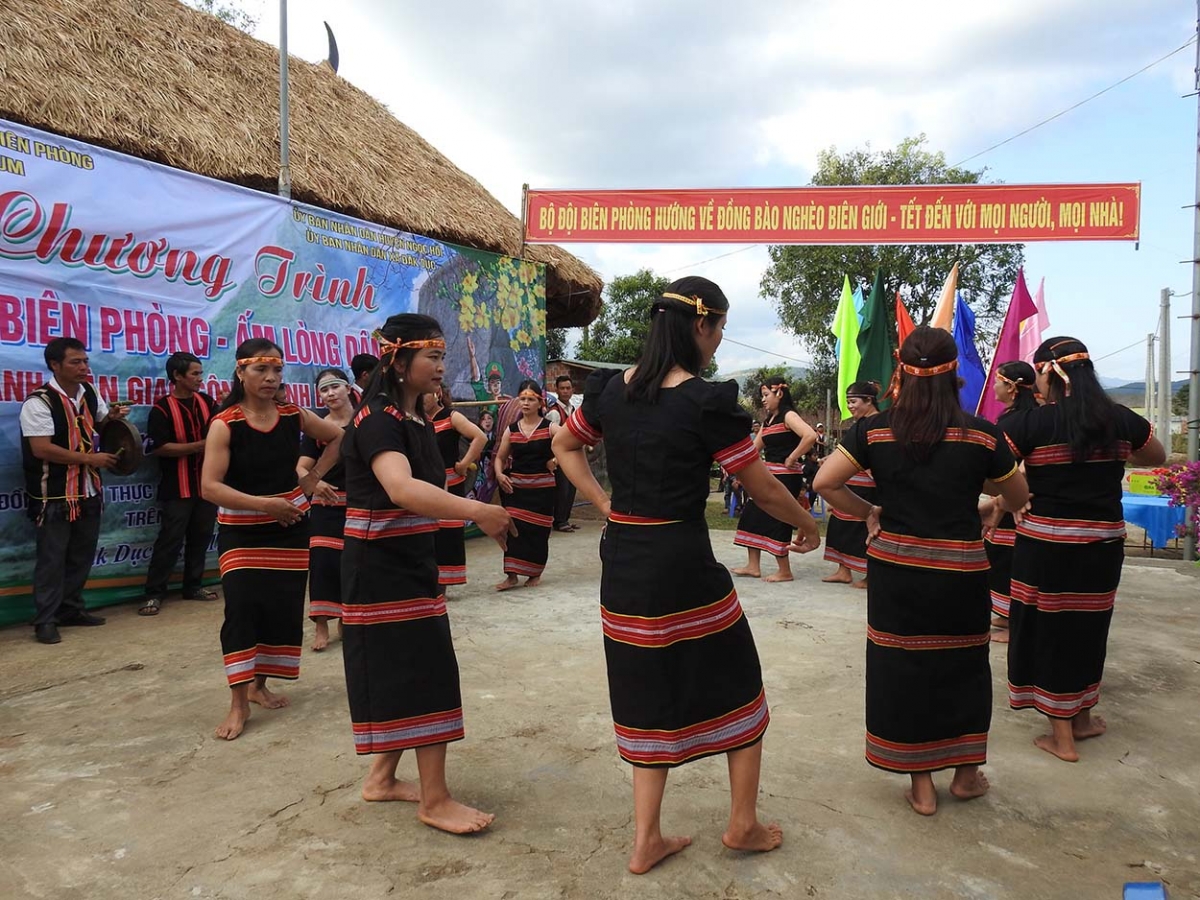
{"x": 114, "y": 786}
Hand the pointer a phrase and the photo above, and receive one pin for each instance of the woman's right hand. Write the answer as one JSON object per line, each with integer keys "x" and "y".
{"x": 872, "y": 521}
{"x": 496, "y": 523}
{"x": 282, "y": 511}
{"x": 505, "y": 483}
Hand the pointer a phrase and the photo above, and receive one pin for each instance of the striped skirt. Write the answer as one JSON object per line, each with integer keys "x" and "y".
{"x": 999, "y": 546}
{"x": 929, "y": 681}
{"x": 846, "y": 542}
{"x": 683, "y": 674}
{"x": 1062, "y": 606}
{"x": 325, "y": 561}
{"x": 759, "y": 531}
{"x": 264, "y": 572}
{"x": 450, "y": 544}
{"x": 401, "y": 671}
{"x": 532, "y": 509}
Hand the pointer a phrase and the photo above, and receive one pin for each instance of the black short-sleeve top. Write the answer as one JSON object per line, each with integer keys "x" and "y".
{"x": 779, "y": 441}
{"x": 660, "y": 454}
{"x": 262, "y": 463}
{"x": 381, "y": 427}
{"x": 930, "y": 515}
{"x": 336, "y": 476}
{"x": 529, "y": 453}
{"x": 1073, "y": 501}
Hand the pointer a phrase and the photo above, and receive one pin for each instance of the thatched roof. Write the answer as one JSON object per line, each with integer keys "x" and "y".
{"x": 159, "y": 80}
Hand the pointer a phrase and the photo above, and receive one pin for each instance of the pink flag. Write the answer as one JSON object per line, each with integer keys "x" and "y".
{"x": 1034, "y": 329}
{"x": 1008, "y": 347}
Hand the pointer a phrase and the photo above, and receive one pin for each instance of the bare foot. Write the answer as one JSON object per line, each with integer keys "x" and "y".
{"x": 452, "y": 816}
{"x": 266, "y": 699}
{"x": 1092, "y": 726}
{"x": 321, "y": 638}
{"x": 508, "y": 583}
{"x": 1050, "y": 745}
{"x": 759, "y": 838}
{"x": 839, "y": 578}
{"x": 968, "y": 787}
{"x": 234, "y": 723}
{"x": 922, "y": 800}
{"x": 376, "y": 790}
{"x": 861, "y": 585}
{"x": 777, "y": 577}
{"x": 534, "y": 581}
{"x": 741, "y": 572}
{"x": 999, "y": 635}
{"x": 646, "y": 857}
{"x": 999, "y": 622}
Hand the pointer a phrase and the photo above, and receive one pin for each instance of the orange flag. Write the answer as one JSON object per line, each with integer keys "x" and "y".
{"x": 904, "y": 322}
{"x": 943, "y": 315}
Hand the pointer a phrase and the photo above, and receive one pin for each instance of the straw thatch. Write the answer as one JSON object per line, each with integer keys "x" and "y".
{"x": 159, "y": 80}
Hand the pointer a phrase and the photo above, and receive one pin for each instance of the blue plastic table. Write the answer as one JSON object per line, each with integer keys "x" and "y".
{"x": 1155, "y": 515}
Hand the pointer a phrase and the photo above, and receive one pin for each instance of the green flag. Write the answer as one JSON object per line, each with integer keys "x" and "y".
{"x": 875, "y": 343}
{"x": 845, "y": 329}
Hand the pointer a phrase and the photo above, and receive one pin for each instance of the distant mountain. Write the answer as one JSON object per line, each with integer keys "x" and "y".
{"x": 740, "y": 376}
{"x": 1133, "y": 393}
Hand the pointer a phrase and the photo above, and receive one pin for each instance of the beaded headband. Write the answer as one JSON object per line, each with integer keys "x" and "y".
{"x": 252, "y": 360}
{"x": 701, "y": 309}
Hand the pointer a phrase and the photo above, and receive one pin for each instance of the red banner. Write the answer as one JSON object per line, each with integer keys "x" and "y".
{"x": 893, "y": 214}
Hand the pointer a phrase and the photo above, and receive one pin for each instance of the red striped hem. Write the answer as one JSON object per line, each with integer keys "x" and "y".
{"x": 662, "y": 631}
{"x": 1002, "y": 537}
{"x": 854, "y": 563}
{"x": 263, "y": 660}
{"x": 295, "y": 496}
{"x": 630, "y": 519}
{"x": 404, "y": 734}
{"x": 735, "y": 729}
{"x": 926, "y": 641}
{"x": 375, "y": 524}
{"x": 838, "y": 514}
{"x": 737, "y": 456}
{"x": 453, "y": 478}
{"x": 540, "y": 480}
{"x": 928, "y": 756}
{"x": 525, "y": 515}
{"x": 929, "y": 553}
{"x": 394, "y": 611}
{"x": 451, "y": 524}
{"x": 760, "y": 542}
{"x": 452, "y": 574}
{"x": 1061, "y": 454}
{"x": 1047, "y": 602}
{"x": 275, "y": 558}
{"x": 329, "y": 608}
{"x": 583, "y": 431}
{"x": 1001, "y": 604}
{"x": 1070, "y": 531}
{"x": 952, "y": 435}
{"x": 1059, "y": 706}
{"x": 325, "y": 542}
{"x": 514, "y": 566}
{"x": 334, "y": 504}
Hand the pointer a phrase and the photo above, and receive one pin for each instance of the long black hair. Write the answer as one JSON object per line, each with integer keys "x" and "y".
{"x": 1021, "y": 374}
{"x": 251, "y": 347}
{"x": 927, "y": 406}
{"x": 671, "y": 342}
{"x": 1088, "y": 414}
{"x": 778, "y": 384}
{"x": 398, "y": 329}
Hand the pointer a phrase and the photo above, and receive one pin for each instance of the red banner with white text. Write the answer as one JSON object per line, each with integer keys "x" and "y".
{"x": 892, "y": 214}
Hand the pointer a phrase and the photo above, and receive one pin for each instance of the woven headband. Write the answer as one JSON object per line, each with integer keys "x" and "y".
{"x": 930, "y": 371}
{"x": 331, "y": 380}
{"x": 252, "y": 360}
{"x": 528, "y": 393}
{"x": 386, "y": 346}
{"x": 701, "y": 309}
{"x": 1017, "y": 384}
{"x": 1057, "y": 366}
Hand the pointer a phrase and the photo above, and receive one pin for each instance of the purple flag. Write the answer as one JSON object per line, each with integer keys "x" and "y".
{"x": 1008, "y": 347}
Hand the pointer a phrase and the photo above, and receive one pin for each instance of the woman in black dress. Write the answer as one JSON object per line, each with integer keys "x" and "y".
{"x": 845, "y": 536}
{"x": 1070, "y": 543}
{"x": 1014, "y": 387}
{"x": 929, "y": 680}
{"x": 528, "y": 488}
{"x": 450, "y": 426}
{"x": 683, "y": 673}
{"x": 249, "y": 471}
{"x": 783, "y": 439}
{"x": 401, "y": 672}
{"x": 328, "y": 514}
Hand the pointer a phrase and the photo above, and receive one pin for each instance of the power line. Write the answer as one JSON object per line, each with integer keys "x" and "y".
{"x": 807, "y": 362}
{"x": 1190, "y": 41}
{"x": 1141, "y": 342}
{"x": 710, "y": 259}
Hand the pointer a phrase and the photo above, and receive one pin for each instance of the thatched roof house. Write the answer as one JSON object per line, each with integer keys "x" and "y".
{"x": 159, "y": 80}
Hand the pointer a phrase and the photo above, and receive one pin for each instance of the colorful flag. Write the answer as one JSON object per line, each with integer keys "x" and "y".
{"x": 943, "y": 314}
{"x": 875, "y": 343}
{"x": 904, "y": 322}
{"x": 858, "y": 305}
{"x": 845, "y": 329}
{"x": 1035, "y": 327}
{"x": 970, "y": 366}
{"x": 1008, "y": 347}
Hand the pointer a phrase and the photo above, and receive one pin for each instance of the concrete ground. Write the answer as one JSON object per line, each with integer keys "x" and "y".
{"x": 114, "y": 786}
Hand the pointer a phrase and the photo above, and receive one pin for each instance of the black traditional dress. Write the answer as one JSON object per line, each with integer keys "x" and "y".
{"x": 450, "y": 543}
{"x": 757, "y": 529}
{"x": 401, "y": 672}
{"x": 846, "y": 536}
{"x": 1067, "y": 561}
{"x": 531, "y": 503}
{"x": 929, "y": 683}
{"x": 683, "y": 674}
{"x": 325, "y": 542}
{"x": 264, "y": 566}
{"x": 999, "y": 546}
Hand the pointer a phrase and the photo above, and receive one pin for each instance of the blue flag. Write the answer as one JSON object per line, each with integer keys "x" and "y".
{"x": 970, "y": 367}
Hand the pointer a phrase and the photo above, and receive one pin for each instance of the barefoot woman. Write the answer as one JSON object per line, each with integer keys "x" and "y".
{"x": 929, "y": 681}
{"x": 249, "y": 471}
{"x": 683, "y": 673}
{"x": 401, "y": 672}
{"x": 846, "y": 537}
{"x": 1071, "y": 544}
{"x": 785, "y": 438}
{"x": 1014, "y": 387}
{"x": 449, "y": 426}
{"x": 528, "y": 490}
{"x": 327, "y": 517}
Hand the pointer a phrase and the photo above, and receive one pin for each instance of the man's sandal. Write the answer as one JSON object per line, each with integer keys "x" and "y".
{"x": 201, "y": 594}
{"x": 150, "y": 607}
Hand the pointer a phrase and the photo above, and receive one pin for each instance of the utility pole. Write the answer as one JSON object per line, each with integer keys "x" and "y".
{"x": 285, "y": 150}
{"x": 1193, "y": 425}
{"x": 1164, "y": 368}
{"x": 1148, "y": 401}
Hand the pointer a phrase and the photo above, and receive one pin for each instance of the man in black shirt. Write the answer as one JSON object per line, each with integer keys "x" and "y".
{"x": 176, "y": 429}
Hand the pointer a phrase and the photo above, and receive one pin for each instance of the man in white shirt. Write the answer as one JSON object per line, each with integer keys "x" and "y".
{"x": 59, "y": 422}
{"x": 559, "y": 412}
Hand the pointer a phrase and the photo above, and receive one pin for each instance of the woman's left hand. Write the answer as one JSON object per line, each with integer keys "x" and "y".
{"x": 461, "y": 468}
{"x": 551, "y": 465}
{"x": 872, "y": 521}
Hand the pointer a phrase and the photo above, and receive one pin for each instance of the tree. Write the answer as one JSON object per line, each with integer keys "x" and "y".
{"x": 621, "y": 329}
{"x": 228, "y": 12}
{"x": 804, "y": 283}
{"x": 1179, "y": 403}
{"x": 754, "y": 383}
{"x": 556, "y": 343}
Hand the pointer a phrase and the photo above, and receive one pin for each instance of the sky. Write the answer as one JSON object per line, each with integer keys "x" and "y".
{"x": 622, "y": 94}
